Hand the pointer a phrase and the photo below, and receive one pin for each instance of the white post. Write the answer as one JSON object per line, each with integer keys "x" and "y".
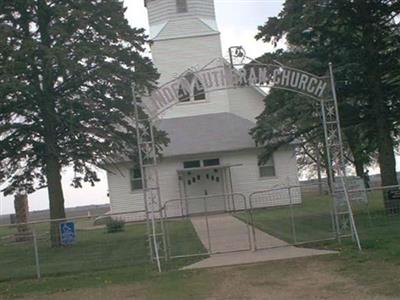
{"x": 36, "y": 250}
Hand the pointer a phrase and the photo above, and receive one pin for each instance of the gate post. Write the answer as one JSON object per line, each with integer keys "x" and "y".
{"x": 36, "y": 252}
{"x": 248, "y": 221}
{"x": 150, "y": 182}
{"x": 253, "y": 230}
{"x": 207, "y": 225}
{"x": 292, "y": 216}
{"x": 335, "y": 157}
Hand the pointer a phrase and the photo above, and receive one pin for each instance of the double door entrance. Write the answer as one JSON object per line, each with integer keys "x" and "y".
{"x": 209, "y": 183}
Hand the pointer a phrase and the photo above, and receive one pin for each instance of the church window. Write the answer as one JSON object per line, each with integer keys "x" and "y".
{"x": 181, "y": 6}
{"x": 191, "y": 164}
{"x": 211, "y": 162}
{"x": 183, "y": 96}
{"x": 267, "y": 169}
{"x": 198, "y": 91}
{"x": 136, "y": 179}
{"x": 191, "y": 89}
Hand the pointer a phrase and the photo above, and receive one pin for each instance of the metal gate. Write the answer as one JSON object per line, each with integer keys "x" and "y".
{"x": 290, "y": 216}
{"x": 211, "y": 228}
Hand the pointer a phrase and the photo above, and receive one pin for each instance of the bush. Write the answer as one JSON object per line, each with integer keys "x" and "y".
{"x": 115, "y": 226}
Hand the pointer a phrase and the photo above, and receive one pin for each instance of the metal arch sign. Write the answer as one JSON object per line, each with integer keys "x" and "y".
{"x": 209, "y": 79}
{"x": 224, "y": 77}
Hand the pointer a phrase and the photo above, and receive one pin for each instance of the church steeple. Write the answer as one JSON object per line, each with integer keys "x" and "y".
{"x": 184, "y": 37}
{"x": 181, "y": 18}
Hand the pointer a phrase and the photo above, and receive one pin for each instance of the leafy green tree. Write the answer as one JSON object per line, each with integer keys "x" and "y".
{"x": 66, "y": 67}
{"x": 362, "y": 38}
{"x": 290, "y": 117}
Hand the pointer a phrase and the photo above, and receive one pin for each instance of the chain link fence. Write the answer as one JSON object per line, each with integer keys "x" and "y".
{"x": 294, "y": 215}
{"x": 195, "y": 227}
{"x": 377, "y": 209}
{"x": 209, "y": 216}
{"x": 95, "y": 243}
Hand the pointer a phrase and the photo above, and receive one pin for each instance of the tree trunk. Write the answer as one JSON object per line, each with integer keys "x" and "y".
{"x": 21, "y": 214}
{"x": 51, "y": 122}
{"x": 387, "y": 165}
{"x": 354, "y": 143}
{"x": 384, "y": 127}
{"x": 386, "y": 154}
{"x": 359, "y": 167}
{"x": 56, "y": 197}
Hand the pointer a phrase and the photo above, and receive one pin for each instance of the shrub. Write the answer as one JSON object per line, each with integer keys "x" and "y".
{"x": 114, "y": 225}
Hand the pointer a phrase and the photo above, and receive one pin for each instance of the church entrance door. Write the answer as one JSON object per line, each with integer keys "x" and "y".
{"x": 205, "y": 183}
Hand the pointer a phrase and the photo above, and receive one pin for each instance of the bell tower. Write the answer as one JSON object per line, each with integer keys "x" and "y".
{"x": 184, "y": 35}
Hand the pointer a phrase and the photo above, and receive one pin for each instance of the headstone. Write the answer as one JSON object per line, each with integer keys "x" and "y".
{"x": 355, "y": 189}
{"x": 393, "y": 198}
{"x": 21, "y": 217}
{"x": 67, "y": 233}
{"x": 13, "y": 219}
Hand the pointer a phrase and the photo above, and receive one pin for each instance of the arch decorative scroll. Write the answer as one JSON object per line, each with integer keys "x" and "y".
{"x": 224, "y": 77}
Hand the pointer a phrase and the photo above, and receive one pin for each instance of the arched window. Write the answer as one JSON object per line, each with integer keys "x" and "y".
{"x": 183, "y": 95}
{"x": 198, "y": 91}
{"x": 185, "y": 88}
{"x": 191, "y": 89}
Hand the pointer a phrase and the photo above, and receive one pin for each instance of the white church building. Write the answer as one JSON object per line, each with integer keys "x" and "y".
{"x": 210, "y": 150}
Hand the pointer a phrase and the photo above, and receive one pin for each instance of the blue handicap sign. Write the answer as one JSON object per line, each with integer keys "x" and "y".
{"x": 67, "y": 233}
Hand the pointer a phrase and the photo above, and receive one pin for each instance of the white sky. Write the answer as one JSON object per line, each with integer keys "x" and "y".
{"x": 237, "y": 20}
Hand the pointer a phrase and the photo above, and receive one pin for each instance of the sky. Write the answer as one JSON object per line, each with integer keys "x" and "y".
{"x": 237, "y": 20}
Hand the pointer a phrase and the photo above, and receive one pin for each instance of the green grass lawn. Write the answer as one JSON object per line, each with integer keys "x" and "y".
{"x": 94, "y": 250}
{"x": 377, "y": 266}
{"x": 100, "y": 260}
{"x": 312, "y": 220}
{"x": 183, "y": 240}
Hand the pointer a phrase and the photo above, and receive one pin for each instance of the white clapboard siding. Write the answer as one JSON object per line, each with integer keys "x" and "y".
{"x": 245, "y": 178}
{"x": 185, "y": 27}
{"x": 173, "y": 57}
{"x": 217, "y": 102}
{"x": 121, "y": 197}
{"x": 160, "y": 11}
{"x": 247, "y": 103}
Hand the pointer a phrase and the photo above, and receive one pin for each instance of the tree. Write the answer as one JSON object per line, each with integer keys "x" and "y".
{"x": 290, "y": 117}
{"x": 362, "y": 38}
{"x": 66, "y": 67}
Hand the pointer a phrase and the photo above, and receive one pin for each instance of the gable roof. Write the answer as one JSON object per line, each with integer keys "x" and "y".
{"x": 183, "y": 27}
{"x": 207, "y": 133}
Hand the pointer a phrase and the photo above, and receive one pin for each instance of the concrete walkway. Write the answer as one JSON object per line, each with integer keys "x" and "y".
{"x": 228, "y": 234}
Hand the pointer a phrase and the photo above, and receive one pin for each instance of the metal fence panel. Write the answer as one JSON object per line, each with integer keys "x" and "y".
{"x": 380, "y": 209}
{"x": 212, "y": 222}
{"x": 291, "y": 216}
{"x": 313, "y": 218}
{"x": 17, "y": 253}
{"x": 32, "y": 255}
